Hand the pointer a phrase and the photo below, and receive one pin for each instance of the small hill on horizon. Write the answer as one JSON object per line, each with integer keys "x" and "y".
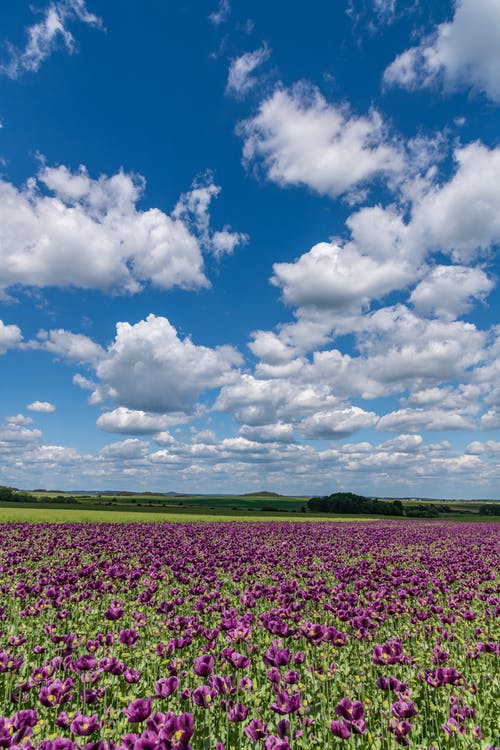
{"x": 264, "y": 493}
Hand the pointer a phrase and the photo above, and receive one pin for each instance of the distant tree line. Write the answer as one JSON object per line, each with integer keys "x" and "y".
{"x": 11, "y": 495}
{"x": 493, "y": 509}
{"x": 349, "y": 502}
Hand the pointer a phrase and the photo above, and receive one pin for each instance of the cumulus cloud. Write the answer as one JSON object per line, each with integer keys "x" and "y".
{"x": 74, "y": 347}
{"x": 335, "y": 277}
{"x": 44, "y": 407}
{"x": 48, "y": 35}
{"x": 10, "y": 337}
{"x": 464, "y": 52}
{"x": 301, "y": 139}
{"x": 19, "y": 420}
{"x": 448, "y": 291}
{"x": 270, "y": 348}
{"x": 149, "y": 368}
{"x": 271, "y": 433}
{"x": 193, "y": 209}
{"x": 129, "y": 449}
{"x": 88, "y": 233}
{"x": 240, "y": 79}
{"x": 135, "y": 422}
{"x": 401, "y": 347}
{"x": 12, "y": 434}
{"x": 386, "y": 250}
{"x": 461, "y": 216}
{"x": 415, "y": 420}
{"x": 337, "y": 423}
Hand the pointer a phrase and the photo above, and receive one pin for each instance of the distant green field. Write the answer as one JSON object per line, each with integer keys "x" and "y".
{"x": 202, "y": 502}
{"x": 78, "y": 515}
{"x": 67, "y": 507}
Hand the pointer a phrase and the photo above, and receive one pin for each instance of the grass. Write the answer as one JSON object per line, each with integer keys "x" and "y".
{"x": 33, "y": 513}
{"x": 78, "y": 515}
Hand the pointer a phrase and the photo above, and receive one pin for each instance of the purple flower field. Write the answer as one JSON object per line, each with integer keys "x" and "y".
{"x": 259, "y": 635}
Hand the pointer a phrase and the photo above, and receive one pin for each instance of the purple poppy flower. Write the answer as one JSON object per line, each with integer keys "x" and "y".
{"x": 85, "y": 725}
{"x": 114, "y": 613}
{"x": 275, "y": 743}
{"x": 177, "y": 731}
{"x": 452, "y": 727}
{"x": 276, "y": 656}
{"x": 204, "y": 665}
{"x": 340, "y": 729}
{"x": 25, "y": 718}
{"x": 392, "y": 683}
{"x": 237, "y": 660}
{"x": 128, "y": 637}
{"x": 283, "y": 729}
{"x": 391, "y": 652}
{"x": 400, "y": 729}
{"x": 148, "y": 740}
{"x": 63, "y": 720}
{"x": 52, "y": 694}
{"x": 350, "y": 710}
{"x": 285, "y": 703}
{"x": 138, "y": 710}
{"x": 132, "y": 676}
{"x": 202, "y": 696}
{"x": 165, "y": 686}
{"x": 404, "y": 709}
{"x": 239, "y": 712}
{"x": 85, "y": 662}
{"x": 256, "y": 730}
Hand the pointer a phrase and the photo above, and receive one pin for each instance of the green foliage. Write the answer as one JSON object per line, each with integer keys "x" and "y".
{"x": 490, "y": 509}
{"x": 349, "y": 502}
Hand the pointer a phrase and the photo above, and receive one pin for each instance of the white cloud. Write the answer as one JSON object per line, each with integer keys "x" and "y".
{"x": 44, "y": 407}
{"x": 18, "y": 420}
{"x": 270, "y": 348}
{"x": 401, "y": 347}
{"x": 404, "y": 443}
{"x": 75, "y": 347}
{"x": 135, "y": 422}
{"x": 56, "y": 455}
{"x": 464, "y": 52}
{"x": 337, "y": 423}
{"x": 46, "y": 36}
{"x": 461, "y": 217}
{"x": 464, "y": 397}
{"x": 82, "y": 382}
{"x": 339, "y": 277}
{"x": 491, "y": 420}
{"x": 477, "y": 448}
{"x": 221, "y": 14}
{"x": 10, "y": 337}
{"x": 193, "y": 209}
{"x": 386, "y": 251}
{"x": 129, "y": 449}
{"x": 415, "y": 420}
{"x": 370, "y": 13}
{"x": 148, "y": 367}
{"x": 448, "y": 291}
{"x": 224, "y": 242}
{"x": 240, "y": 79}
{"x": 12, "y": 434}
{"x": 301, "y": 139}
{"x": 90, "y": 234}
{"x": 271, "y": 433}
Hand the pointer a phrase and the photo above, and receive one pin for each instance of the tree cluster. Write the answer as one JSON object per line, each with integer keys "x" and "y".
{"x": 349, "y": 502}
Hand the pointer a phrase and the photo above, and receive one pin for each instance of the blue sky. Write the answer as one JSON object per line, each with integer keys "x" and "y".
{"x": 250, "y": 247}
